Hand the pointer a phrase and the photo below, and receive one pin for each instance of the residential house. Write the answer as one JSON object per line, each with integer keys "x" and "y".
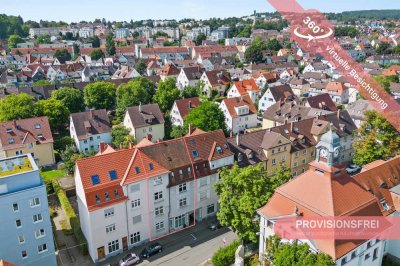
{"x": 28, "y": 136}
{"x": 125, "y": 72}
{"x": 338, "y": 92}
{"x": 89, "y": 129}
{"x": 215, "y": 81}
{"x": 189, "y": 76}
{"x": 181, "y": 109}
{"x": 245, "y": 87}
{"x": 26, "y": 229}
{"x": 275, "y": 94}
{"x": 240, "y": 113}
{"x": 145, "y": 121}
{"x": 300, "y": 86}
{"x": 321, "y": 101}
{"x": 169, "y": 70}
{"x": 357, "y": 111}
{"x": 131, "y": 196}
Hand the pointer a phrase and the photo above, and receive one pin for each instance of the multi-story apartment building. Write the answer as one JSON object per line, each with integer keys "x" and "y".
{"x": 26, "y": 235}
{"x": 89, "y": 129}
{"x": 122, "y": 33}
{"x": 132, "y": 196}
{"x": 32, "y": 135}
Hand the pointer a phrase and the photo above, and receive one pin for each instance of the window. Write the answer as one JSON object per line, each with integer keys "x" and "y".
{"x": 384, "y": 204}
{"x": 273, "y": 151}
{"x": 304, "y": 161}
{"x": 113, "y": 246}
{"x": 367, "y": 256}
{"x": 110, "y": 228}
{"x": 21, "y": 239}
{"x": 95, "y": 179}
{"x": 137, "y": 170}
{"x": 295, "y": 164}
{"x": 113, "y": 174}
{"x": 295, "y": 173}
{"x": 91, "y": 138}
{"x": 375, "y": 254}
{"x": 182, "y": 188}
{"x": 137, "y": 219}
{"x": 15, "y": 207}
{"x": 34, "y": 202}
{"x": 279, "y": 149}
{"x": 182, "y": 203}
{"x": 195, "y": 154}
{"x": 97, "y": 199}
{"x": 159, "y": 211}
{"x": 283, "y": 159}
{"x": 344, "y": 261}
{"x": 158, "y": 195}
{"x": 85, "y": 141}
{"x": 40, "y": 233}
{"x": 273, "y": 161}
{"x": 42, "y": 248}
{"x": 37, "y": 218}
{"x": 135, "y": 238}
{"x": 180, "y": 172}
{"x": 11, "y": 141}
{"x": 158, "y": 180}
{"x": 179, "y": 221}
{"x": 109, "y": 212}
{"x": 151, "y": 166}
{"x": 116, "y": 194}
{"x": 353, "y": 254}
{"x": 18, "y": 223}
{"x": 107, "y": 196}
{"x": 296, "y": 154}
{"x": 24, "y": 255}
{"x": 135, "y": 203}
{"x": 159, "y": 226}
{"x": 210, "y": 209}
{"x": 189, "y": 170}
{"x": 305, "y": 152}
{"x": 203, "y": 195}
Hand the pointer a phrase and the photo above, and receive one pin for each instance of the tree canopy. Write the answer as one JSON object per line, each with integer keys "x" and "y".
{"x": 96, "y": 54}
{"x": 207, "y": 116}
{"x": 375, "y": 139}
{"x": 13, "y": 40}
{"x": 56, "y": 112}
{"x": 136, "y": 91}
{"x": 16, "y": 106}
{"x": 121, "y": 137}
{"x": 71, "y": 98}
{"x": 62, "y": 52}
{"x": 166, "y": 94}
{"x": 241, "y": 192}
{"x": 100, "y": 95}
{"x": 295, "y": 254}
{"x": 110, "y": 45}
{"x": 140, "y": 66}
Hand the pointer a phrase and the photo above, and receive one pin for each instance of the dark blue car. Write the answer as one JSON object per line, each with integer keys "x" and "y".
{"x": 151, "y": 250}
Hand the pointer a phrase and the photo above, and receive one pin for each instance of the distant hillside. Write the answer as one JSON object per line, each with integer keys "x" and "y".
{"x": 373, "y": 14}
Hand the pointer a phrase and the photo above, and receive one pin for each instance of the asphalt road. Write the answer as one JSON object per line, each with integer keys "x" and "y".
{"x": 189, "y": 247}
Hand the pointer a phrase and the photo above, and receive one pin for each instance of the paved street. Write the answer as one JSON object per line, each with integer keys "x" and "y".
{"x": 188, "y": 247}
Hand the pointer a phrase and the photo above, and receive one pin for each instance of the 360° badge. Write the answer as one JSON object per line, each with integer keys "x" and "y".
{"x": 315, "y": 30}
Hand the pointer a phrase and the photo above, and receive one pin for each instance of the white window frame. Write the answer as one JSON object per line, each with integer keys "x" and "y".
{"x": 158, "y": 196}
{"x": 42, "y": 248}
{"x": 182, "y": 188}
{"x": 109, "y": 212}
{"x": 37, "y": 216}
{"x": 158, "y": 211}
{"x": 34, "y": 202}
{"x": 21, "y": 239}
{"x": 40, "y": 235}
{"x": 182, "y": 203}
{"x": 17, "y": 209}
{"x": 135, "y": 203}
{"x": 134, "y": 237}
{"x": 110, "y": 228}
{"x": 160, "y": 226}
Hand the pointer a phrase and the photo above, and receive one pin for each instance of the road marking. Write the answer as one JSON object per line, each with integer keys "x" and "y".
{"x": 194, "y": 238}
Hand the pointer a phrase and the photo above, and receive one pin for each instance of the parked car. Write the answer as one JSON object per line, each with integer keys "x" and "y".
{"x": 130, "y": 259}
{"x": 214, "y": 225}
{"x": 151, "y": 250}
{"x": 351, "y": 169}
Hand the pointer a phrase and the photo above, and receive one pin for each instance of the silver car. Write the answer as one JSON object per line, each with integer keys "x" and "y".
{"x": 130, "y": 259}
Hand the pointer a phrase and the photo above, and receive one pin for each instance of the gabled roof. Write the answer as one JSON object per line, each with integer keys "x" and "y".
{"x": 322, "y": 101}
{"x": 281, "y": 92}
{"x": 170, "y": 70}
{"x": 185, "y": 105}
{"x": 145, "y": 115}
{"x": 91, "y": 123}
{"x": 193, "y": 73}
{"x": 245, "y": 86}
{"x": 16, "y": 134}
{"x": 218, "y": 77}
{"x": 231, "y": 103}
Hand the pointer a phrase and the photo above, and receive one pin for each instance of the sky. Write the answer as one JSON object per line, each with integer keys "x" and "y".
{"x": 125, "y": 10}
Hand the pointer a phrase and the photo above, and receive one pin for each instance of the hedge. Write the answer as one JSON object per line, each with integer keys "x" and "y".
{"x": 225, "y": 256}
{"x": 71, "y": 216}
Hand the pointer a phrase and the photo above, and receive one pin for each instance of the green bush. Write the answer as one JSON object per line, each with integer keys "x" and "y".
{"x": 71, "y": 216}
{"x": 225, "y": 256}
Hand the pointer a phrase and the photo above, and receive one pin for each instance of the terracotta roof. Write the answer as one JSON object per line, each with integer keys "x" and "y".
{"x": 170, "y": 70}
{"x": 16, "y": 134}
{"x": 231, "y": 103}
{"x": 336, "y": 88}
{"x": 6, "y": 263}
{"x": 91, "y": 123}
{"x": 281, "y": 92}
{"x": 160, "y": 50}
{"x": 145, "y": 115}
{"x": 218, "y": 77}
{"x": 185, "y": 105}
{"x": 245, "y": 86}
{"x": 193, "y": 73}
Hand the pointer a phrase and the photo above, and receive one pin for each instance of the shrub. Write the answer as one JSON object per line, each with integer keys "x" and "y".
{"x": 225, "y": 256}
{"x": 71, "y": 216}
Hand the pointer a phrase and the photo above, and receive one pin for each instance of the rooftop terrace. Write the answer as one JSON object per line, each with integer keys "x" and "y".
{"x": 15, "y": 165}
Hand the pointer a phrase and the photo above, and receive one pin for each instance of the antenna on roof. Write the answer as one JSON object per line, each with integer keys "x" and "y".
{"x": 140, "y": 107}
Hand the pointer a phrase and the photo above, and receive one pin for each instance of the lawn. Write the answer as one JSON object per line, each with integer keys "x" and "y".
{"x": 49, "y": 176}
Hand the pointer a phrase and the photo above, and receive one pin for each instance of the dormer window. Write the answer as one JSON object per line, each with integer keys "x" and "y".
{"x": 40, "y": 136}
{"x": 151, "y": 166}
{"x": 137, "y": 170}
{"x": 107, "y": 196}
{"x": 37, "y": 126}
{"x": 219, "y": 149}
{"x": 384, "y": 204}
{"x": 9, "y": 130}
{"x": 240, "y": 157}
{"x": 95, "y": 179}
{"x": 97, "y": 199}
{"x": 11, "y": 141}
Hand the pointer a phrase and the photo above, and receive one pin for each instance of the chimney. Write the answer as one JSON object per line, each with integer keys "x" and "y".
{"x": 190, "y": 104}
{"x": 291, "y": 126}
{"x": 190, "y": 129}
{"x": 140, "y": 107}
{"x": 338, "y": 114}
{"x": 91, "y": 113}
{"x": 237, "y": 139}
{"x": 15, "y": 123}
{"x": 102, "y": 147}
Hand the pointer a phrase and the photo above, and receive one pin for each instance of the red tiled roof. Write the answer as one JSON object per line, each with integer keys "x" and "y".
{"x": 16, "y": 134}
{"x": 231, "y": 103}
{"x": 160, "y": 50}
{"x": 245, "y": 86}
{"x": 183, "y": 105}
{"x": 336, "y": 88}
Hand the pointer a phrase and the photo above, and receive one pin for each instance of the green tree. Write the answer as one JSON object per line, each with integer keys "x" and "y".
{"x": 110, "y": 45}
{"x": 166, "y": 94}
{"x": 96, "y": 54}
{"x": 225, "y": 255}
{"x": 207, "y": 116}
{"x": 200, "y": 38}
{"x": 43, "y": 39}
{"x": 76, "y": 50}
{"x": 16, "y": 106}
{"x": 71, "y": 98}
{"x": 13, "y": 40}
{"x": 140, "y": 66}
{"x": 62, "y": 52}
{"x": 95, "y": 42}
{"x": 190, "y": 92}
{"x": 385, "y": 81}
{"x": 273, "y": 44}
{"x": 383, "y": 48}
{"x": 253, "y": 54}
{"x": 121, "y": 137}
{"x": 99, "y": 95}
{"x": 295, "y": 254}
{"x": 69, "y": 157}
{"x": 241, "y": 192}
{"x": 177, "y": 132}
{"x": 56, "y": 112}
{"x": 375, "y": 139}
{"x": 135, "y": 92}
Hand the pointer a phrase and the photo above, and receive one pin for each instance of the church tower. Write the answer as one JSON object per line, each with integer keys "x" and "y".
{"x": 329, "y": 149}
